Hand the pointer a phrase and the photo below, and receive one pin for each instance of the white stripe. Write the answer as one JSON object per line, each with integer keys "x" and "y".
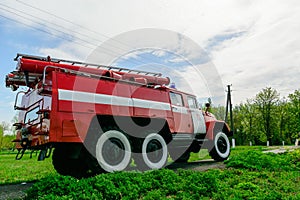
{"x": 142, "y": 103}
{"x": 87, "y": 97}
{"x": 179, "y": 109}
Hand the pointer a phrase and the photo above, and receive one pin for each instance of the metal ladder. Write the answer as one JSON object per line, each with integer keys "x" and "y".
{"x": 83, "y": 64}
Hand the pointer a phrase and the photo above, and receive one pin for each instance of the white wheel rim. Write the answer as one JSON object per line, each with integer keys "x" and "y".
{"x": 113, "y": 134}
{"x": 162, "y": 161}
{"x": 224, "y": 136}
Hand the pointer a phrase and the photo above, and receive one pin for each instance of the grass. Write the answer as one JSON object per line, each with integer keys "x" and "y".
{"x": 201, "y": 155}
{"x": 250, "y": 174}
{"x": 24, "y": 170}
{"x": 29, "y": 169}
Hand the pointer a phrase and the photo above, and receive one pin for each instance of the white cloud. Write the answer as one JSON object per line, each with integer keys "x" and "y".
{"x": 265, "y": 54}
{"x": 268, "y": 55}
{"x": 159, "y": 53}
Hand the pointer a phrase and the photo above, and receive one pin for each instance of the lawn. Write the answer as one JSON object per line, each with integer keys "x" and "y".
{"x": 249, "y": 174}
{"x": 29, "y": 169}
{"x": 24, "y": 170}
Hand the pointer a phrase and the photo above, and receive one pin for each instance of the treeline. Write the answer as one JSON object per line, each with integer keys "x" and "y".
{"x": 6, "y": 140}
{"x": 267, "y": 117}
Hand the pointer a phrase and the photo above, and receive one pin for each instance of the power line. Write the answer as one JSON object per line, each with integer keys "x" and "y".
{"x": 68, "y": 21}
{"x": 39, "y": 29}
{"x": 47, "y": 22}
{"x": 57, "y": 30}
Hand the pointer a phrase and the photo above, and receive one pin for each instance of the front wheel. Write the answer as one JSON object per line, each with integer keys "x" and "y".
{"x": 221, "y": 149}
{"x": 154, "y": 153}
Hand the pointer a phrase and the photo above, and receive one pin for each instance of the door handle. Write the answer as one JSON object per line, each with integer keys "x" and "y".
{"x": 174, "y": 108}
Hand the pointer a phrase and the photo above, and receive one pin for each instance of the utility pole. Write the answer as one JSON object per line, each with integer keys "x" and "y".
{"x": 229, "y": 105}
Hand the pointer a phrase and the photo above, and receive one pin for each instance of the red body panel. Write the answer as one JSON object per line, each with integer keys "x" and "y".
{"x": 83, "y": 104}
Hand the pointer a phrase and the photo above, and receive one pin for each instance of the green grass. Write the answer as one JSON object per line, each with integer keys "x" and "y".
{"x": 29, "y": 169}
{"x": 24, "y": 170}
{"x": 251, "y": 175}
{"x": 201, "y": 155}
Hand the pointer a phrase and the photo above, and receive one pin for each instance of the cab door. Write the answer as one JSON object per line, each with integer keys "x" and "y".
{"x": 197, "y": 115}
{"x": 181, "y": 115}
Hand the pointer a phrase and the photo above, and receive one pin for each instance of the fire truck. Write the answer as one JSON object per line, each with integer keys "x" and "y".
{"x": 100, "y": 118}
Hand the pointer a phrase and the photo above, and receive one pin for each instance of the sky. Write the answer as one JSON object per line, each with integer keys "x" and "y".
{"x": 202, "y": 45}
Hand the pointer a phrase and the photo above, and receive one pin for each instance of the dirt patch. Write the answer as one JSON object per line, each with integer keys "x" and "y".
{"x": 202, "y": 165}
{"x": 278, "y": 150}
{"x": 14, "y": 191}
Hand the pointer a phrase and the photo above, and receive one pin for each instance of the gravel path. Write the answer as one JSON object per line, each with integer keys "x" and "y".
{"x": 201, "y": 165}
{"x": 14, "y": 191}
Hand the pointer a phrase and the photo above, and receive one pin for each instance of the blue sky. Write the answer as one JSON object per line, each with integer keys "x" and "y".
{"x": 16, "y": 38}
{"x": 250, "y": 44}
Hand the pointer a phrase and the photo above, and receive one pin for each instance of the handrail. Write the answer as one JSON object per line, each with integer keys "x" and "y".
{"x": 86, "y": 74}
{"x": 50, "y": 66}
{"x": 16, "y": 99}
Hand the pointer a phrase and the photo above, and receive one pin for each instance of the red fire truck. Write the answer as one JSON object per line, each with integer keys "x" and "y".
{"x": 99, "y": 118}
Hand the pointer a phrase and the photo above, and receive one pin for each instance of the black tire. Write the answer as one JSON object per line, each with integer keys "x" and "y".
{"x": 221, "y": 148}
{"x": 113, "y": 151}
{"x": 67, "y": 166}
{"x": 154, "y": 153}
{"x": 180, "y": 156}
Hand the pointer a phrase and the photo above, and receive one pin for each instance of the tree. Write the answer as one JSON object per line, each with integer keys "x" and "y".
{"x": 219, "y": 112}
{"x": 267, "y": 117}
{"x": 266, "y": 101}
{"x": 3, "y": 127}
{"x": 247, "y": 123}
{"x": 294, "y": 113}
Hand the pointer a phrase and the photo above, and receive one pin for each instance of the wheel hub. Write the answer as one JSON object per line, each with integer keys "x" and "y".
{"x": 154, "y": 151}
{"x": 222, "y": 145}
{"x": 113, "y": 151}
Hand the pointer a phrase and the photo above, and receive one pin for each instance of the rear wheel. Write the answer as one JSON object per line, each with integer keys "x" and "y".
{"x": 154, "y": 153}
{"x": 113, "y": 151}
{"x": 65, "y": 165}
{"x": 221, "y": 149}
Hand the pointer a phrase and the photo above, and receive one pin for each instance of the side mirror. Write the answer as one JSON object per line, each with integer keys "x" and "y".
{"x": 207, "y": 105}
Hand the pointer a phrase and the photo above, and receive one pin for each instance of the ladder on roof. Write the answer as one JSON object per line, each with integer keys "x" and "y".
{"x": 83, "y": 64}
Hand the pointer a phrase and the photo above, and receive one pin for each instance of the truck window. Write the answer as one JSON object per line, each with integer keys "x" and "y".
{"x": 32, "y": 115}
{"x": 176, "y": 99}
{"x": 192, "y": 103}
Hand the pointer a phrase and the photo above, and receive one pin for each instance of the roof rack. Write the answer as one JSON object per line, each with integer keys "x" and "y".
{"x": 83, "y": 64}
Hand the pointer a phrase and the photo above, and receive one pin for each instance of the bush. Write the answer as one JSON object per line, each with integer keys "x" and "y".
{"x": 257, "y": 160}
{"x": 128, "y": 185}
{"x": 252, "y": 175}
